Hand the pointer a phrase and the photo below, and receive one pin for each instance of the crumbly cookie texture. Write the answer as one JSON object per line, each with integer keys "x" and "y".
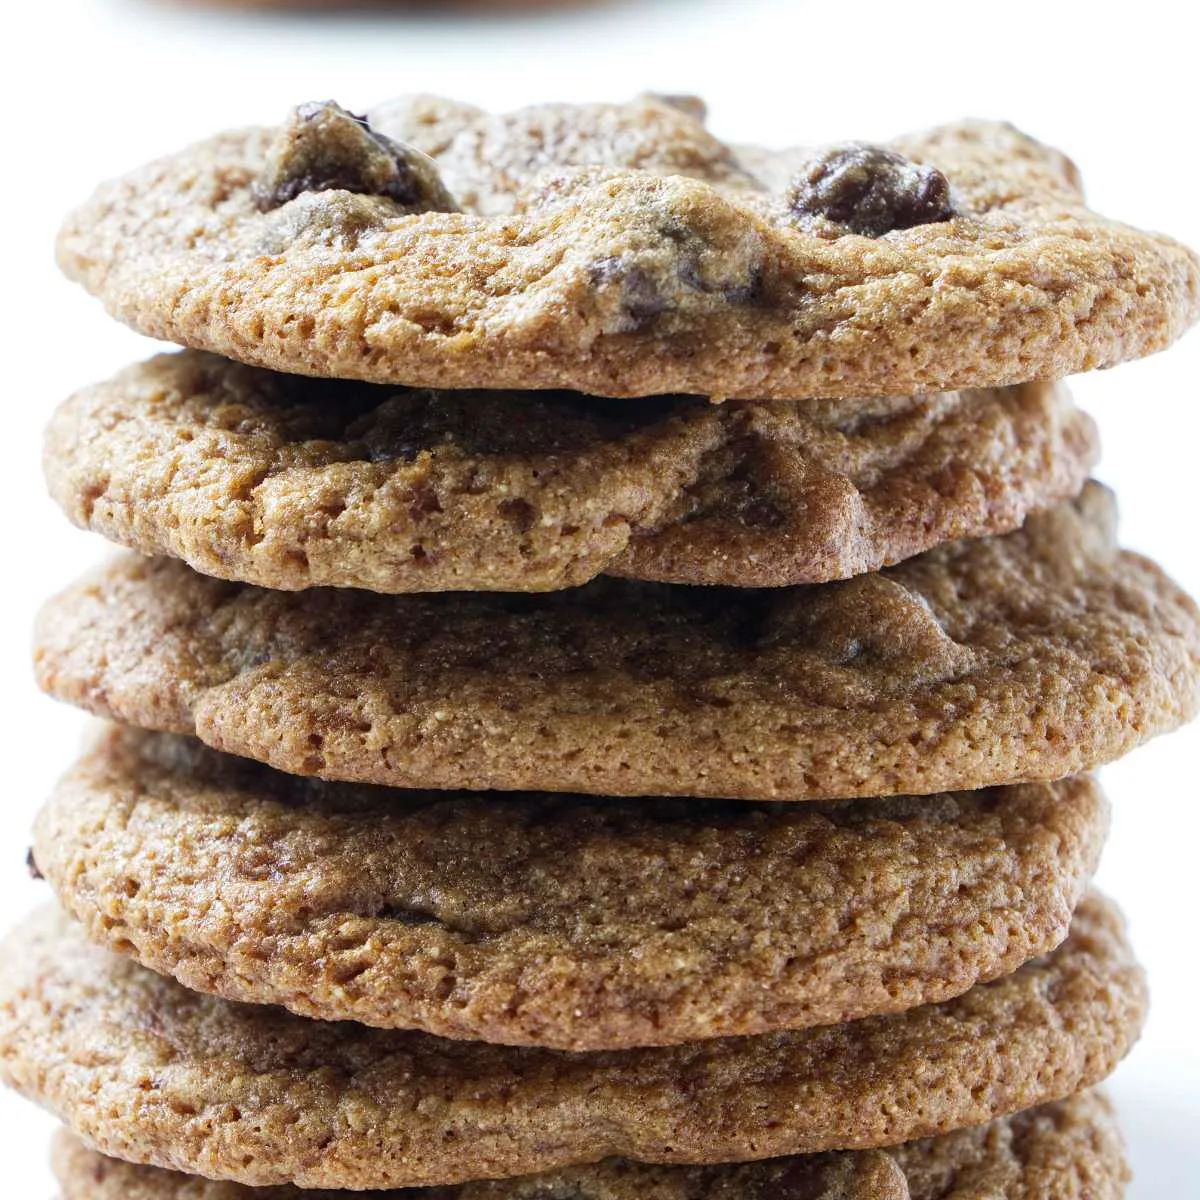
{"x": 623, "y": 250}
{"x": 1067, "y": 1151}
{"x": 587, "y": 925}
{"x": 1061, "y": 1151}
{"x": 839, "y": 1175}
{"x": 1027, "y": 657}
{"x": 145, "y": 1070}
{"x": 288, "y": 482}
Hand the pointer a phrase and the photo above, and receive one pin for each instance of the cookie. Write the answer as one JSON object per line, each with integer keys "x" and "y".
{"x": 840, "y": 1175}
{"x": 1027, "y": 657}
{"x": 623, "y": 250}
{"x": 1067, "y": 1150}
{"x": 145, "y": 1070}
{"x": 585, "y": 925}
{"x": 288, "y": 482}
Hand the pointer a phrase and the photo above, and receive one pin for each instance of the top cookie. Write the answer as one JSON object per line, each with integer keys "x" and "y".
{"x": 623, "y": 250}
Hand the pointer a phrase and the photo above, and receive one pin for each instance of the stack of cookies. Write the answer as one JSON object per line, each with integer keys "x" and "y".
{"x": 614, "y": 633}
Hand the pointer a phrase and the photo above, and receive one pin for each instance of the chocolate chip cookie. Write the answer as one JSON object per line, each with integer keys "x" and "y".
{"x": 1031, "y": 656}
{"x": 838, "y": 1175}
{"x": 624, "y": 250}
{"x": 143, "y": 1069}
{"x": 1072, "y": 1148}
{"x": 554, "y": 920}
{"x": 288, "y": 482}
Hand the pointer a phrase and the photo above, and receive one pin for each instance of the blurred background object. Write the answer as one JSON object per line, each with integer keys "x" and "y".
{"x": 464, "y": 8}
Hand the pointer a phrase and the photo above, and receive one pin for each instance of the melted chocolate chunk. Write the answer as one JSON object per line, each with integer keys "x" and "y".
{"x": 641, "y": 300}
{"x": 324, "y": 148}
{"x": 869, "y": 190}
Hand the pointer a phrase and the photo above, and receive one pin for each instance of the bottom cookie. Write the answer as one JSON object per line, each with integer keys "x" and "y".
{"x": 1066, "y": 1151}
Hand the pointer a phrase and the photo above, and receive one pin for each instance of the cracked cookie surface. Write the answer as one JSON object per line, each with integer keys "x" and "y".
{"x": 288, "y": 482}
{"x": 1027, "y": 657}
{"x": 587, "y": 925}
{"x": 623, "y": 250}
{"x": 1056, "y": 1152}
{"x": 146, "y": 1070}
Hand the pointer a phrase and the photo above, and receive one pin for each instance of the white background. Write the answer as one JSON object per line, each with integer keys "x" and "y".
{"x": 92, "y": 87}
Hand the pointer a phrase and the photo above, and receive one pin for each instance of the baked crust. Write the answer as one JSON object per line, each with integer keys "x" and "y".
{"x": 1064, "y": 1151}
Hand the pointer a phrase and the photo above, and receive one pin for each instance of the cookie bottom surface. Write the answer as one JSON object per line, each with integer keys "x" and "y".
{"x": 1066, "y": 1151}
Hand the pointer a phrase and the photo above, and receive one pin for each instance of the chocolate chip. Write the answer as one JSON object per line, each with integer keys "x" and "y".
{"x": 872, "y": 626}
{"x": 742, "y": 293}
{"x": 538, "y": 1188}
{"x": 324, "y": 148}
{"x": 640, "y": 299}
{"x": 869, "y": 190}
{"x": 748, "y": 293}
{"x": 32, "y": 867}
